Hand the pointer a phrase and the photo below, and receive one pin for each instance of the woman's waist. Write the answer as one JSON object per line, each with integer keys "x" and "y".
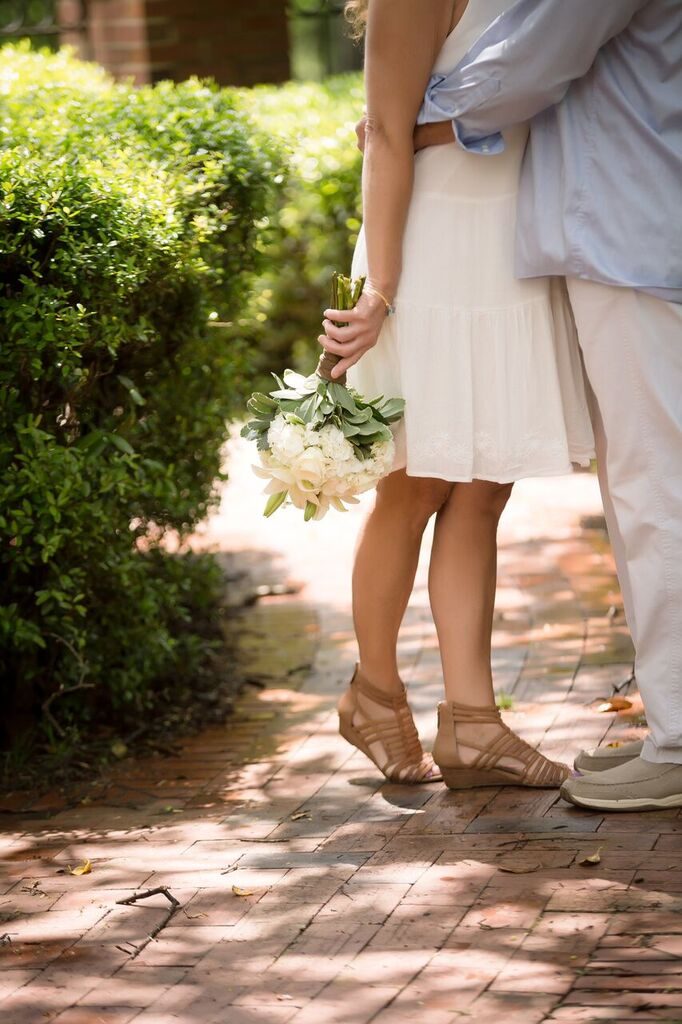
{"x": 454, "y": 172}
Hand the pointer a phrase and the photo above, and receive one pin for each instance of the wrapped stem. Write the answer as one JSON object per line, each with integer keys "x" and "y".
{"x": 345, "y": 295}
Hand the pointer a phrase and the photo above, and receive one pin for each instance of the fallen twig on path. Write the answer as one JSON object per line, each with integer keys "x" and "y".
{"x": 259, "y": 840}
{"x": 546, "y": 838}
{"x": 617, "y": 687}
{"x": 160, "y": 890}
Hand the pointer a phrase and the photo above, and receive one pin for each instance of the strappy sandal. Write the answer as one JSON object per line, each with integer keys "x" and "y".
{"x": 490, "y": 765}
{"x": 391, "y": 743}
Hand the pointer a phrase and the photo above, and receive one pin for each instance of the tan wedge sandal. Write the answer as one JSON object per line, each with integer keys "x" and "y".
{"x": 391, "y": 743}
{"x": 500, "y": 757}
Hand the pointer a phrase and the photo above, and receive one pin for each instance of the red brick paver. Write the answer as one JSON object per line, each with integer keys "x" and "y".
{"x": 309, "y": 891}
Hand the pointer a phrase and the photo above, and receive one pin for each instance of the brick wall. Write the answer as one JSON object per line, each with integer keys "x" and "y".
{"x": 238, "y": 42}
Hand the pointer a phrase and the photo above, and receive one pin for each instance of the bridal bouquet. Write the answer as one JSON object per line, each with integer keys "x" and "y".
{"x": 320, "y": 442}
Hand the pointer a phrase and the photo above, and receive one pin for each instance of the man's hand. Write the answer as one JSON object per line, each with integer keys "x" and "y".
{"x": 439, "y": 133}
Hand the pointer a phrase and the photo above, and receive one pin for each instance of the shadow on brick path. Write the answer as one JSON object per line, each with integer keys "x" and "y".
{"x": 309, "y": 891}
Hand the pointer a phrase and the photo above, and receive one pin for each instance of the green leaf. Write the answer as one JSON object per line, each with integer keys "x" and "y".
{"x": 391, "y": 409}
{"x": 262, "y": 406}
{"x": 260, "y": 426}
{"x": 131, "y": 389}
{"x": 121, "y": 443}
{"x": 274, "y": 502}
{"x": 366, "y": 429}
{"x": 89, "y": 440}
{"x": 342, "y": 396}
{"x": 310, "y": 510}
{"x": 306, "y": 409}
{"x": 362, "y": 416}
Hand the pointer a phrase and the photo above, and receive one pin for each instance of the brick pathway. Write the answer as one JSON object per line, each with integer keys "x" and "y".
{"x": 308, "y": 891}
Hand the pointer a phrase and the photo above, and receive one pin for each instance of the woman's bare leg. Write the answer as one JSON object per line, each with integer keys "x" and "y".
{"x": 462, "y": 583}
{"x": 383, "y": 576}
{"x": 385, "y": 565}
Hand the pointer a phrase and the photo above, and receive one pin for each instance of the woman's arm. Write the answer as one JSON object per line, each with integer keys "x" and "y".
{"x": 403, "y": 40}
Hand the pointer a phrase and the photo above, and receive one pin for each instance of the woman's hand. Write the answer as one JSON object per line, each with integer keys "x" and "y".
{"x": 361, "y": 334}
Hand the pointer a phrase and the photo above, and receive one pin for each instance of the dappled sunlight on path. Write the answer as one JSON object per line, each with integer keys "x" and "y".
{"x": 309, "y": 892}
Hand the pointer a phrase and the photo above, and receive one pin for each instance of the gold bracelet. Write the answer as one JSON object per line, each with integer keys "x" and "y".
{"x": 390, "y": 308}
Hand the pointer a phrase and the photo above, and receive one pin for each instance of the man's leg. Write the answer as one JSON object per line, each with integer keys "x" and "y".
{"x": 632, "y": 345}
{"x": 615, "y": 536}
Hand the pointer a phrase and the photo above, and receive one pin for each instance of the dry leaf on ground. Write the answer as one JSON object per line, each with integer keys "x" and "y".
{"x": 300, "y": 815}
{"x": 238, "y": 891}
{"x": 593, "y": 858}
{"x": 82, "y": 869}
{"x": 615, "y": 704}
{"x": 521, "y": 869}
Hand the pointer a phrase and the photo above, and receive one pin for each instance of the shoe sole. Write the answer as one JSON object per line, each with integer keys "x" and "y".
{"x": 595, "y": 804}
{"x": 466, "y": 778}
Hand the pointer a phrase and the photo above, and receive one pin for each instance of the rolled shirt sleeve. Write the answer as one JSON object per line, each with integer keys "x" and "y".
{"x": 523, "y": 63}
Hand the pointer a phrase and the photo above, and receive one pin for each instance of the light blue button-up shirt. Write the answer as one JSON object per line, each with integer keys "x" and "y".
{"x": 601, "y": 185}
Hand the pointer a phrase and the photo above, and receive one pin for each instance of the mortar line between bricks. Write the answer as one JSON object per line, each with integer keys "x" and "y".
{"x": 337, "y": 771}
{"x": 410, "y": 939}
{"x": 409, "y": 981}
{"x": 579, "y": 664}
{"x": 527, "y": 647}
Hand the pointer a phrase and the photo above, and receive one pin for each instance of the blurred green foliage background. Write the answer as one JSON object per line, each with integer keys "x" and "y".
{"x": 317, "y": 219}
{"x": 161, "y": 249}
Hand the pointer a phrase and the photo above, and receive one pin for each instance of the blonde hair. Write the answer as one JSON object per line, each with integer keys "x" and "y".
{"x": 355, "y": 13}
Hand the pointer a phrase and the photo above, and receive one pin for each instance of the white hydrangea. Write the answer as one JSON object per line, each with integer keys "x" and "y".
{"x": 286, "y": 440}
{"x": 319, "y": 466}
{"x": 335, "y": 446}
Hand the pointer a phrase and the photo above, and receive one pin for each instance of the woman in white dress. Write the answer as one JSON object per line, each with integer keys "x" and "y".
{"x": 490, "y": 371}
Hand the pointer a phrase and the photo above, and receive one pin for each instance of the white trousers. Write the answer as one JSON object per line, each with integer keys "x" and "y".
{"x": 632, "y": 346}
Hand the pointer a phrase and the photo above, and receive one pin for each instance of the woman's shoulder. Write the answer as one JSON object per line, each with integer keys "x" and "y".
{"x": 479, "y": 14}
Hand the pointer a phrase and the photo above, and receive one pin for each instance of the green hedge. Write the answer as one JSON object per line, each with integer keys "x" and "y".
{"x": 130, "y": 220}
{"x": 318, "y": 218}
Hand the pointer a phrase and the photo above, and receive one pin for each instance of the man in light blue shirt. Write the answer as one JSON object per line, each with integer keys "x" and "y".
{"x": 601, "y": 203}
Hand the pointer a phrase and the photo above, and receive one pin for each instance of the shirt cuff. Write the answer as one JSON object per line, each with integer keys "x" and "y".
{"x": 486, "y": 145}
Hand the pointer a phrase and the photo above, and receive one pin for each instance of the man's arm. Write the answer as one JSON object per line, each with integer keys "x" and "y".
{"x": 523, "y": 63}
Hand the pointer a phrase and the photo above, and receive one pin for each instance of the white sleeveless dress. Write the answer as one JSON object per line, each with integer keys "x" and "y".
{"x": 489, "y": 365}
